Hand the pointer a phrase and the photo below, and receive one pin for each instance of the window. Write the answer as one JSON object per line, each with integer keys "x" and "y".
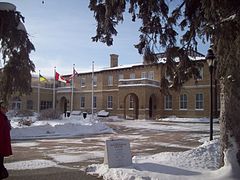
{"x": 143, "y": 75}
{"x": 82, "y": 102}
{"x": 16, "y": 105}
{"x": 110, "y": 80}
{"x": 120, "y": 76}
{"x": 109, "y": 102}
{"x": 168, "y": 77}
{"x": 168, "y": 102}
{"x": 83, "y": 82}
{"x": 132, "y": 76}
{"x": 131, "y": 102}
{"x": 95, "y": 81}
{"x": 151, "y": 75}
{"x": 46, "y": 105}
{"x": 94, "y": 102}
{"x": 200, "y": 73}
{"x": 199, "y": 101}
{"x": 29, "y": 104}
{"x": 183, "y": 101}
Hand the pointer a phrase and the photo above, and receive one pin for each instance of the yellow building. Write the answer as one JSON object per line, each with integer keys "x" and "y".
{"x": 130, "y": 91}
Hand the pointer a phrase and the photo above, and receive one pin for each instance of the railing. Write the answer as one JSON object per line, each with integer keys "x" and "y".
{"x": 138, "y": 82}
{"x": 64, "y": 89}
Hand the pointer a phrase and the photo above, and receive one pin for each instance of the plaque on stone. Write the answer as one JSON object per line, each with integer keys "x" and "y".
{"x": 117, "y": 153}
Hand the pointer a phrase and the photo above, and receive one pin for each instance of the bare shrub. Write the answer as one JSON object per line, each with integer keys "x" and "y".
{"x": 47, "y": 114}
{"x": 24, "y": 113}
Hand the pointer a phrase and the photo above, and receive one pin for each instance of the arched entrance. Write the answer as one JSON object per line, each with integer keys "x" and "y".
{"x": 152, "y": 106}
{"x": 131, "y": 106}
{"x": 63, "y": 105}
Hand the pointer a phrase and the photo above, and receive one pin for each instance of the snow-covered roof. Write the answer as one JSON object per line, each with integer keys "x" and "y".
{"x": 160, "y": 61}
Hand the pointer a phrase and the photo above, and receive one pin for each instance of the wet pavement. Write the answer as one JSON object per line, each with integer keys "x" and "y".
{"x": 73, "y": 155}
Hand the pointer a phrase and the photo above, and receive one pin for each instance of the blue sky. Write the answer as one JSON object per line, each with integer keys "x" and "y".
{"x": 61, "y": 32}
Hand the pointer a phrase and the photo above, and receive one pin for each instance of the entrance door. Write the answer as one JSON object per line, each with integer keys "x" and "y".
{"x": 150, "y": 107}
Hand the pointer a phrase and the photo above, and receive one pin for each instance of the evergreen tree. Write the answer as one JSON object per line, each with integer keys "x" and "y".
{"x": 15, "y": 75}
{"x": 214, "y": 20}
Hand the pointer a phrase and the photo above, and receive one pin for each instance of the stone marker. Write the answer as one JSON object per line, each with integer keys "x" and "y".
{"x": 117, "y": 153}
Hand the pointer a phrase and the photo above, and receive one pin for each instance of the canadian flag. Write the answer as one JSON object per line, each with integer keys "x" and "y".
{"x": 60, "y": 78}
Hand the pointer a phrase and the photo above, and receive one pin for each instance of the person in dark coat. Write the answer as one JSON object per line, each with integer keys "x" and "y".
{"x": 5, "y": 140}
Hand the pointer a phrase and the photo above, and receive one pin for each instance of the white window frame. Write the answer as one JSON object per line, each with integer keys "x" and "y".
{"x": 199, "y": 101}
{"x": 109, "y": 102}
{"x": 82, "y": 102}
{"x": 83, "y": 82}
{"x": 132, "y": 76}
{"x": 201, "y": 73}
{"x": 183, "y": 100}
{"x": 144, "y": 75}
{"x": 151, "y": 75}
{"x": 110, "y": 80}
{"x": 168, "y": 102}
{"x": 120, "y": 76}
{"x": 94, "y": 80}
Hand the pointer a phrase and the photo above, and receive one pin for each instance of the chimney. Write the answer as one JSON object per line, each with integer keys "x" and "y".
{"x": 113, "y": 60}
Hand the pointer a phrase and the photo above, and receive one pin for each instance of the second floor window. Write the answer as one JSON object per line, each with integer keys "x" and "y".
{"x": 151, "y": 75}
{"x": 110, "y": 80}
{"x": 183, "y": 101}
{"x": 83, "y": 82}
{"x": 82, "y": 102}
{"x": 109, "y": 102}
{"x": 132, "y": 76}
{"x": 120, "y": 76}
{"x": 200, "y": 73}
{"x": 143, "y": 75}
{"x": 168, "y": 102}
{"x": 95, "y": 81}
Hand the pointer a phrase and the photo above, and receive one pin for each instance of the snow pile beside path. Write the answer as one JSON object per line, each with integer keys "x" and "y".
{"x": 204, "y": 157}
{"x": 197, "y": 163}
{"x": 189, "y": 120}
{"x": 58, "y": 128}
{"x": 31, "y": 164}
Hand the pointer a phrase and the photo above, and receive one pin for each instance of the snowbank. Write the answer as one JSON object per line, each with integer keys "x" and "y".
{"x": 66, "y": 127}
{"x": 199, "y": 163}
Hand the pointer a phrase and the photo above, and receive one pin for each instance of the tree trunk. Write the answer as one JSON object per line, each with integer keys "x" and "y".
{"x": 230, "y": 121}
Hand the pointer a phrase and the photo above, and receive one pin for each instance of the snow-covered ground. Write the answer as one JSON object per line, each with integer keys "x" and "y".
{"x": 66, "y": 127}
{"x": 199, "y": 163}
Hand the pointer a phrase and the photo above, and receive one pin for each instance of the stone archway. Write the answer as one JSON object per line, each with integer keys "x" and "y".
{"x": 152, "y": 106}
{"x": 63, "y": 105}
{"x": 131, "y": 106}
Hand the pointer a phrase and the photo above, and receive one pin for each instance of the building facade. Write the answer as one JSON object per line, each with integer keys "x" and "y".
{"x": 131, "y": 91}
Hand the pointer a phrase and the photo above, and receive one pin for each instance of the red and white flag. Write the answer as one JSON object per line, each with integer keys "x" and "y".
{"x": 60, "y": 78}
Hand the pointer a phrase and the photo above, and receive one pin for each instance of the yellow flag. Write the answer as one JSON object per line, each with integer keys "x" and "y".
{"x": 42, "y": 79}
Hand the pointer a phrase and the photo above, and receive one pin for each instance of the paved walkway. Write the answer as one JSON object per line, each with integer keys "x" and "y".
{"x": 75, "y": 154}
{"x": 50, "y": 174}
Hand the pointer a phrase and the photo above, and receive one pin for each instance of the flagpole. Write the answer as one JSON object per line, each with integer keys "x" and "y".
{"x": 92, "y": 85}
{"x": 54, "y": 86}
{"x": 73, "y": 75}
{"x": 38, "y": 107}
